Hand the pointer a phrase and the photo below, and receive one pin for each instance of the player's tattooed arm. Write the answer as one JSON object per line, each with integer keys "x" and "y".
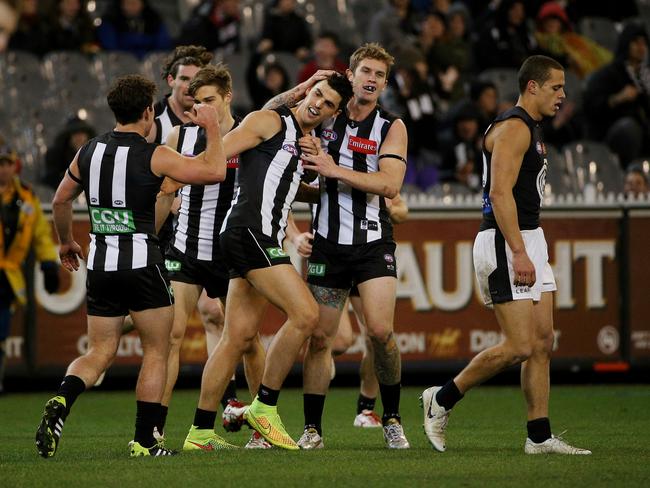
{"x": 388, "y": 363}
{"x": 330, "y": 297}
{"x": 291, "y": 97}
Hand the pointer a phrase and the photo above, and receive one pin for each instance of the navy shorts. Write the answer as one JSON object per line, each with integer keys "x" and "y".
{"x": 342, "y": 266}
{"x": 211, "y": 275}
{"x": 116, "y": 293}
{"x": 245, "y": 249}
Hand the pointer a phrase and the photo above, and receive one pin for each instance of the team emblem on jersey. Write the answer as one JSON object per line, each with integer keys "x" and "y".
{"x": 540, "y": 147}
{"x": 329, "y": 135}
{"x": 389, "y": 258}
{"x": 361, "y": 145}
{"x": 111, "y": 221}
{"x": 369, "y": 225}
{"x": 290, "y": 148}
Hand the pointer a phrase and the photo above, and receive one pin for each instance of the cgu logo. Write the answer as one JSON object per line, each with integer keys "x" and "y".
{"x": 424, "y": 285}
{"x": 111, "y": 221}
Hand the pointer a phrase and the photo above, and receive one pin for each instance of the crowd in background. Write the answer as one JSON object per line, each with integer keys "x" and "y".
{"x": 440, "y": 85}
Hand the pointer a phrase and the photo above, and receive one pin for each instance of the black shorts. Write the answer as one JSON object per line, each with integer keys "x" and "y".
{"x": 341, "y": 266}
{"x": 245, "y": 249}
{"x": 211, "y": 275}
{"x": 116, "y": 293}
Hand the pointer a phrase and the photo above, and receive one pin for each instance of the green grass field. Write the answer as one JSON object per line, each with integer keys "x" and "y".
{"x": 485, "y": 444}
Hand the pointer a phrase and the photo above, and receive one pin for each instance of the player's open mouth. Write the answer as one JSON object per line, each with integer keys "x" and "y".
{"x": 370, "y": 88}
{"x": 312, "y": 111}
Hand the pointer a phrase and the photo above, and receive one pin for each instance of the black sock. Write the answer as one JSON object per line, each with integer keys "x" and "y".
{"x": 313, "y": 408}
{"x": 147, "y": 414}
{"x": 71, "y": 387}
{"x": 539, "y": 430}
{"x": 204, "y": 419}
{"x": 162, "y": 418}
{"x": 390, "y": 400}
{"x": 365, "y": 403}
{"x": 268, "y": 396}
{"x": 449, "y": 395}
{"x": 229, "y": 394}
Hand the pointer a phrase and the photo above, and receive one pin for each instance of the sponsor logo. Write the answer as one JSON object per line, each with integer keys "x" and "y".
{"x": 361, "y": 145}
{"x": 290, "y": 148}
{"x": 316, "y": 269}
{"x": 389, "y": 258}
{"x": 172, "y": 265}
{"x": 443, "y": 344}
{"x": 641, "y": 339}
{"x": 369, "y": 225}
{"x": 233, "y": 163}
{"x": 203, "y": 447}
{"x": 329, "y": 135}
{"x": 608, "y": 339}
{"x": 276, "y": 252}
{"x": 111, "y": 221}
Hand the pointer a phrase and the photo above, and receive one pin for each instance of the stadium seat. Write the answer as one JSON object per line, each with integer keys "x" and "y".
{"x": 558, "y": 179}
{"x": 573, "y": 88}
{"x": 71, "y": 77}
{"x": 151, "y": 68}
{"x": 237, "y": 63}
{"x": 288, "y": 61}
{"x": 599, "y": 29}
{"x": 335, "y": 16}
{"x": 109, "y": 65}
{"x": 592, "y": 163}
{"x": 505, "y": 80}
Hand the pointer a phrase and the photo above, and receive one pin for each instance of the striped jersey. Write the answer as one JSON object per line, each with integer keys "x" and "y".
{"x": 346, "y": 215}
{"x": 269, "y": 176}
{"x": 165, "y": 119}
{"x": 120, "y": 191}
{"x": 529, "y": 187}
{"x": 203, "y": 207}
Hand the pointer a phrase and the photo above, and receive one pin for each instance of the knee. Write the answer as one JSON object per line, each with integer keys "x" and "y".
{"x": 319, "y": 342}
{"x": 211, "y": 316}
{"x": 242, "y": 341}
{"x": 176, "y": 335}
{"x": 544, "y": 344}
{"x": 102, "y": 356}
{"x": 306, "y": 319}
{"x": 518, "y": 353}
{"x": 379, "y": 332}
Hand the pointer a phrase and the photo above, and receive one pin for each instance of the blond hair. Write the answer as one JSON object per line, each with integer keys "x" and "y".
{"x": 371, "y": 50}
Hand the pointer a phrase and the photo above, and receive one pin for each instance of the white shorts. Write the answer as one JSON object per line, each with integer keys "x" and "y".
{"x": 493, "y": 267}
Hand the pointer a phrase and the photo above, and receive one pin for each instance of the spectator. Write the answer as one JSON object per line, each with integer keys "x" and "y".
{"x": 133, "y": 26}
{"x": 391, "y": 24}
{"x": 326, "y": 51}
{"x": 265, "y": 80}
{"x": 461, "y": 149}
{"x": 22, "y": 228}
{"x": 71, "y": 28}
{"x": 75, "y": 134}
{"x": 617, "y": 11}
{"x": 636, "y": 181}
{"x": 617, "y": 100}
{"x": 485, "y": 97}
{"x": 505, "y": 42}
{"x": 215, "y": 24}
{"x": 557, "y": 40}
{"x": 8, "y": 20}
{"x": 31, "y": 32}
{"x": 285, "y": 30}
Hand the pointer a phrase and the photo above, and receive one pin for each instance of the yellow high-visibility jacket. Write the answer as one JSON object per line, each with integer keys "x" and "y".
{"x": 32, "y": 230}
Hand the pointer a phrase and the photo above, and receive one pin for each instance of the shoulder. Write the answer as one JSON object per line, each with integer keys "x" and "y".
{"x": 386, "y": 115}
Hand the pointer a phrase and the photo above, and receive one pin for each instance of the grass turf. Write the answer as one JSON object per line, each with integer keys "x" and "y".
{"x": 485, "y": 444}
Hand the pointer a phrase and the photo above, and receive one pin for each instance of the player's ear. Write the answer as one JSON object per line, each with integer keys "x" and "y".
{"x": 170, "y": 80}
{"x": 532, "y": 87}
{"x": 228, "y": 97}
{"x": 349, "y": 74}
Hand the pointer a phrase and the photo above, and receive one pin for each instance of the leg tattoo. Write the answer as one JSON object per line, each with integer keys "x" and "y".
{"x": 330, "y": 297}
{"x": 388, "y": 364}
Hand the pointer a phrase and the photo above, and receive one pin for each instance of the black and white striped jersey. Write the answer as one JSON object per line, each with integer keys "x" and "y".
{"x": 165, "y": 119}
{"x": 346, "y": 215}
{"x": 120, "y": 190}
{"x": 269, "y": 176}
{"x": 203, "y": 207}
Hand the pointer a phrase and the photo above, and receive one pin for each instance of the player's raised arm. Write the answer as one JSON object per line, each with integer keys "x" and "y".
{"x": 291, "y": 97}
{"x": 256, "y": 127}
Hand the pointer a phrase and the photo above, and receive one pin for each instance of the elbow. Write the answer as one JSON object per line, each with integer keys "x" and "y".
{"x": 390, "y": 191}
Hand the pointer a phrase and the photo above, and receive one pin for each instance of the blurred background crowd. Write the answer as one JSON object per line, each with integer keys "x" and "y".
{"x": 455, "y": 68}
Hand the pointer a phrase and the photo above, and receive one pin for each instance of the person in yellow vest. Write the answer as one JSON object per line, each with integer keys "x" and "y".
{"x": 22, "y": 227}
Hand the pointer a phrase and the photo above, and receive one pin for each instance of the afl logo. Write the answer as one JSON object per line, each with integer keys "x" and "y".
{"x": 540, "y": 147}
{"x": 329, "y": 135}
{"x": 118, "y": 203}
{"x": 389, "y": 258}
{"x": 290, "y": 149}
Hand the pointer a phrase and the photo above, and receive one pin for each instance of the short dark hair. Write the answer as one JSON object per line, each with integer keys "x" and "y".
{"x": 537, "y": 68}
{"x": 341, "y": 85}
{"x": 217, "y": 76}
{"x": 129, "y": 96}
{"x": 331, "y": 36}
{"x": 197, "y": 56}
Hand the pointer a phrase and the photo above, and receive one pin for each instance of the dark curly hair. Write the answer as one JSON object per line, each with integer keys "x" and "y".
{"x": 129, "y": 96}
{"x": 197, "y": 56}
{"x": 341, "y": 85}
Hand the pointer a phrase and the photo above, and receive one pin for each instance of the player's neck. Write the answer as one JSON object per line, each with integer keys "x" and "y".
{"x": 136, "y": 127}
{"x": 530, "y": 109}
{"x": 225, "y": 124}
{"x": 358, "y": 110}
{"x": 178, "y": 110}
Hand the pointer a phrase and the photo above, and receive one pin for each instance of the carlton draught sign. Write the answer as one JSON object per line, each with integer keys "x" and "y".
{"x": 439, "y": 315}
